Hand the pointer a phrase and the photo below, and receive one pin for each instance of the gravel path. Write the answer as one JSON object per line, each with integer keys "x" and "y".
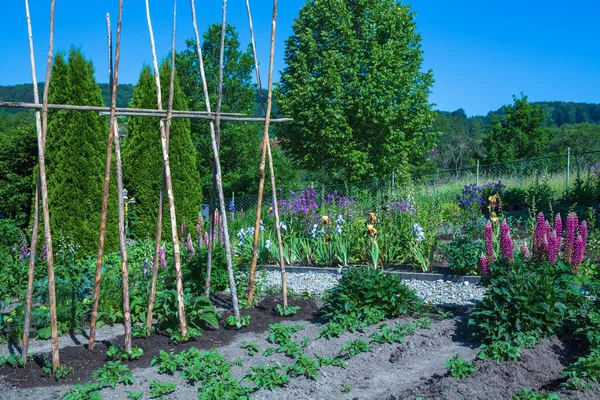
{"x": 435, "y": 292}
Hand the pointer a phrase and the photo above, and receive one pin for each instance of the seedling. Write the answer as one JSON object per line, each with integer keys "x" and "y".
{"x": 135, "y": 395}
{"x": 423, "y": 323}
{"x": 346, "y": 389}
{"x": 287, "y": 311}
{"x": 304, "y": 366}
{"x": 251, "y": 347}
{"x": 159, "y": 390}
{"x": 117, "y": 353}
{"x": 88, "y": 391}
{"x": 232, "y": 323}
{"x": 354, "y": 347}
{"x": 331, "y": 330}
{"x": 459, "y": 368}
{"x": 267, "y": 377}
{"x": 61, "y": 371}
{"x": 112, "y": 374}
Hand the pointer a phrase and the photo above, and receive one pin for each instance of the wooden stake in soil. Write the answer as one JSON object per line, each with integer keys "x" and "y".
{"x": 215, "y": 146}
{"x": 114, "y": 78}
{"x": 266, "y": 148}
{"x": 36, "y": 212}
{"x": 152, "y": 295}
{"x": 41, "y": 138}
{"x": 169, "y": 185}
{"x": 212, "y": 210}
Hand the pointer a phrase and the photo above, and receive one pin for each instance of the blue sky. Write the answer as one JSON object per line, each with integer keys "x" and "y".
{"x": 481, "y": 52}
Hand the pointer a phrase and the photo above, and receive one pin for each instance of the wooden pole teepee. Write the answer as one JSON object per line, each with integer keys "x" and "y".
{"x": 113, "y": 74}
{"x": 266, "y": 148}
{"x": 169, "y": 186}
{"x": 218, "y": 175}
{"x": 159, "y": 222}
{"x": 42, "y": 129}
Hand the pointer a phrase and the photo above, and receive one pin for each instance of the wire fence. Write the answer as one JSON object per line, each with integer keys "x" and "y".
{"x": 560, "y": 171}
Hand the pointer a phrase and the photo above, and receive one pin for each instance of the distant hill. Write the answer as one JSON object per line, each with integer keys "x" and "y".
{"x": 24, "y": 93}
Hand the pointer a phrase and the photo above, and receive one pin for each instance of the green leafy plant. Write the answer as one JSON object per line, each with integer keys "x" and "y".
{"x": 117, "y": 353}
{"x": 499, "y": 351}
{"x": 166, "y": 362}
{"x": 327, "y": 361}
{"x": 14, "y": 361}
{"x": 112, "y": 374}
{"x": 330, "y": 330}
{"x": 346, "y": 389}
{"x": 464, "y": 255}
{"x": 392, "y": 335}
{"x": 423, "y": 323}
{"x": 459, "y": 368}
{"x": 279, "y": 333}
{"x": 304, "y": 366}
{"x": 88, "y": 391}
{"x": 584, "y": 370}
{"x": 223, "y": 388}
{"x": 305, "y": 342}
{"x": 287, "y": 311}
{"x": 251, "y": 347}
{"x": 135, "y": 395}
{"x": 232, "y": 323}
{"x": 159, "y": 390}
{"x": 139, "y": 331}
{"x": 445, "y": 314}
{"x": 189, "y": 335}
{"x": 267, "y": 377}
{"x": 528, "y": 394}
{"x": 62, "y": 370}
{"x": 354, "y": 347}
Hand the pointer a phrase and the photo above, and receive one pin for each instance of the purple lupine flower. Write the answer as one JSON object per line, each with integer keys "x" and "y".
{"x": 44, "y": 251}
{"x": 558, "y": 225}
{"x": 525, "y": 250}
{"x": 553, "y": 247}
{"x": 190, "y": 247}
{"x": 145, "y": 267}
{"x": 489, "y": 245}
{"x": 485, "y": 269}
{"x": 206, "y": 239}
{"x": 199, "y": 230}
{"x": 162, "y": 256}
{"x": 506, "y": 243}
{"x": 570, "y": 232}
{"x": 183, "y": 229}
{"x": 539, "y": 237}
{"x": 578, "y": 248}
{"x": 583, "y": 232}
{"x": 23, "y": 250}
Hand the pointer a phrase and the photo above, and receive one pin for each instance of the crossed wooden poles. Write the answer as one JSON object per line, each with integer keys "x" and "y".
{"x": 41, "y": 191}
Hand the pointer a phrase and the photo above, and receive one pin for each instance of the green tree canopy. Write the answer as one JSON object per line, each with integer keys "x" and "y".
{"x": 76, "y": 155}
{"x": 460, "y": 142}
{"x": 143, "y": 160}
{"x": 353, "y": 84}
{"x": 18, "y": 158}
{"x": 579, "y": 137}
{"x": 520, "y": 131}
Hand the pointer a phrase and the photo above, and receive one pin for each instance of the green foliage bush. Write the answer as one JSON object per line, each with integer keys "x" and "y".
{"x": 464, "y": 255}
{"x": 368, "y": 295}
{"x": 459, "y": 368}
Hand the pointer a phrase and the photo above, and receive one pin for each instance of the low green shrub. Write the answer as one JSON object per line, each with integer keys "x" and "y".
{"x": 464, "y": 255}
{"x": 459, "y": 368}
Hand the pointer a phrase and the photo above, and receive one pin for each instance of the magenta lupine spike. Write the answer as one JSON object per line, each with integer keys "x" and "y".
{"x": 506, "y": 243}
{"x": 539, "y": 237}
{"x": 483, "y": 261}
{"x": 571, "y": 225}
{"x": 206, "y": 239}
{"x": 553, "y": 246}
{"x": 190, "y": 247}
{"x": 583, "y": 232}
{"x": 558, "y": 225}
{"x": 525, "y": 250}
{"x": 162, "y": 255}
{"x": 183, "y": 229}
{"x": 578, "y": 248}
{"x": 489, "y": 245}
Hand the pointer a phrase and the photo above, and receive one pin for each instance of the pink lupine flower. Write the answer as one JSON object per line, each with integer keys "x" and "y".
{"x": 183, "y": 229}
{"x": 553, "y": 246}
{"x": 539, "y": 237}
{"x": 578, "y": 248}
{"x": 162, "y": 256}
{"x": 489, "y": 245}
{"x": 190, "y": 247}
{"x": 199, "y": 230}
{"x": 485, "y": 269}
{"x": 570, "y": 232}
{"x": 506, "y": 243}
{"x": 583, "y": 232}
{"x": 525, "y": 250}
{"x": 558, "y": 225}
{"x": 206, "y": 239}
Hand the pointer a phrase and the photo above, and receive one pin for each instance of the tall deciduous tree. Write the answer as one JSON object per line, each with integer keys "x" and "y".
{"x": 355, "y": 88}
{"x": 520, "y": 131}
{"x": 143, "y": 161}
{"x": 240, "y": 142}
{"x": 75, "y": 154}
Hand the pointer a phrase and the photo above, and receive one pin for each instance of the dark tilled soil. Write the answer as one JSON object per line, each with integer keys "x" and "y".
{"x": 84, "y": 362}
{"x": 540, "y": 369}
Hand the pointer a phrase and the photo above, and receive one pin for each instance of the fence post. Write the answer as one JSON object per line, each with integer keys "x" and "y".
{"x": 393, "y": 182}
{"x": 477, "y": 177}
{"x": 232, "y": 209}
{"x": 568, "y": 169}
